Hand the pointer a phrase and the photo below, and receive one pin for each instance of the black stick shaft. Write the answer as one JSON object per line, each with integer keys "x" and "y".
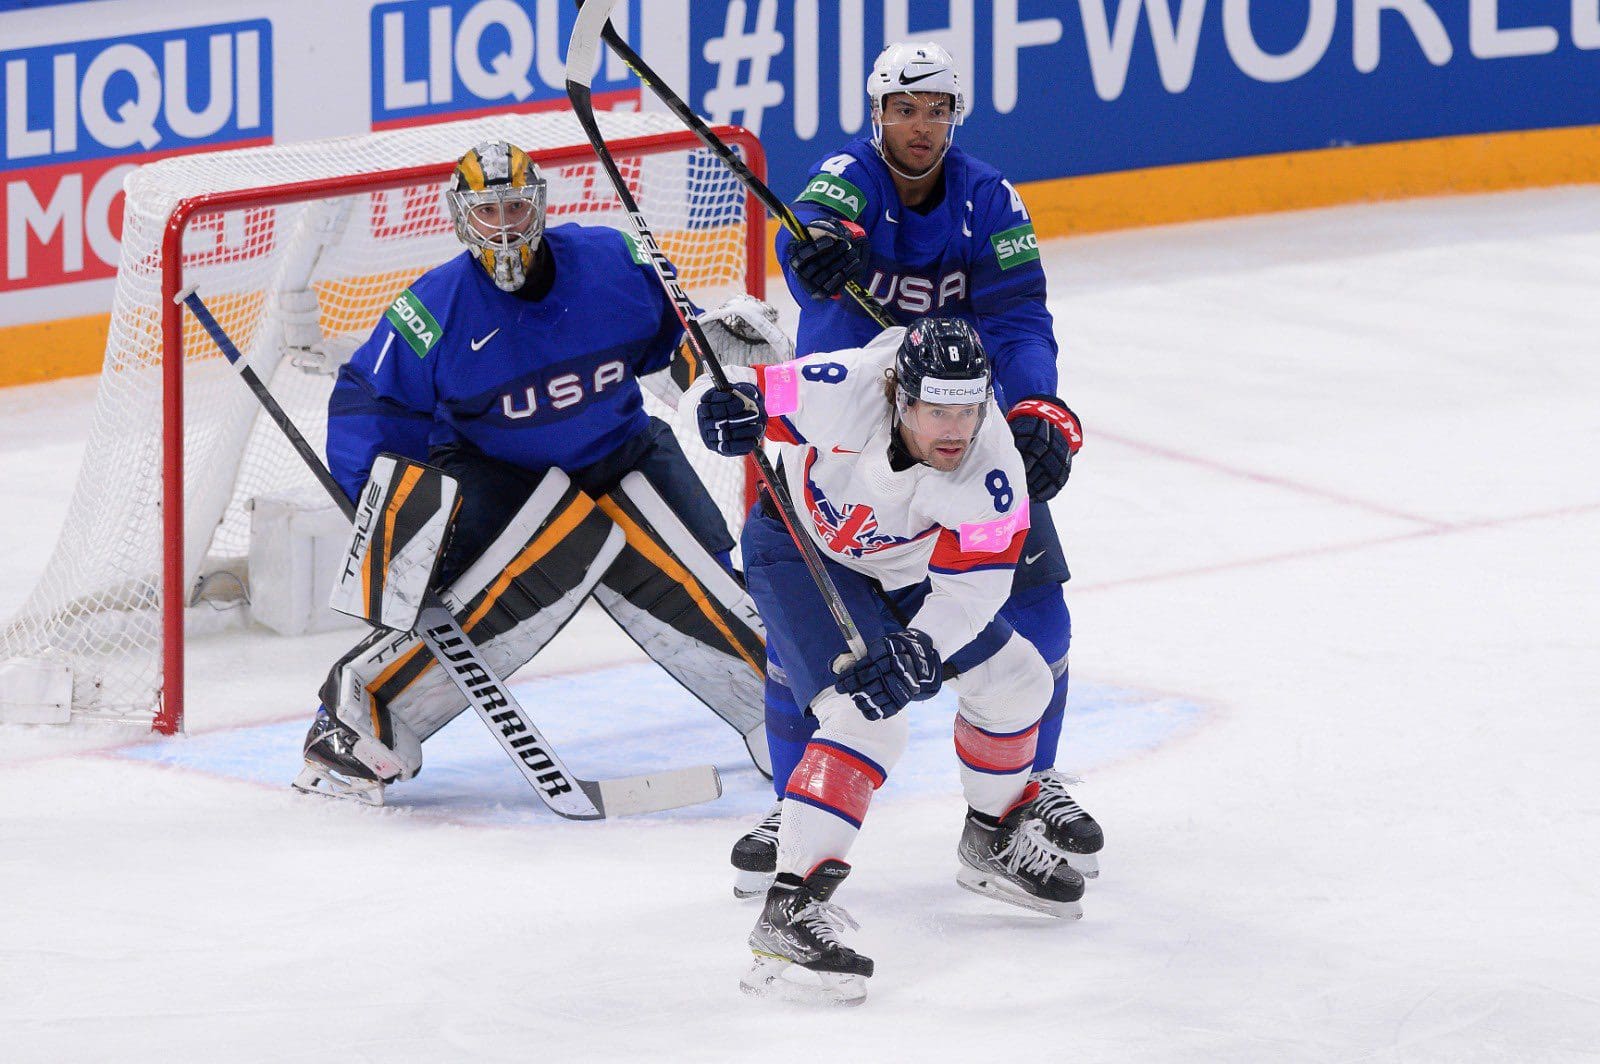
{"x": 280, "y": 417}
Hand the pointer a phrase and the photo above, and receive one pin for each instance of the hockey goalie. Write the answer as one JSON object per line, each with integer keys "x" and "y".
{"x": 514, "y": 368}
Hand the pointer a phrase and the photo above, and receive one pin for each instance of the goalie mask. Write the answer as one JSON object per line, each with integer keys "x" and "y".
{"x": 942, "y": 389}
{"x": 901, "y": 74}
{"x": 496, "y": 199}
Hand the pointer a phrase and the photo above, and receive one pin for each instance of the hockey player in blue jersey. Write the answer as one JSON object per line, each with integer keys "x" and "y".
{"x": 514, "y": 367}
{"x": 928, "y": 229}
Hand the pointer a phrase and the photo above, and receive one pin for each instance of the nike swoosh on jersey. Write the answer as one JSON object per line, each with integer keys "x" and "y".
{"x": 477, "y": 345}
{"x": 840, "y": 450}
{"x": 920, "y": 77}
{"x": 1030, "y": 559}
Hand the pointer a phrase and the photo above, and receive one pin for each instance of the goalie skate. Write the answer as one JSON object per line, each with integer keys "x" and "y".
{"x": 798, "y": 944}
{"x": 1016, "y": 863}
{"x": 323, "y": 782}
{"x": 1069, "y": 827}
{"x": 340, "y": 762}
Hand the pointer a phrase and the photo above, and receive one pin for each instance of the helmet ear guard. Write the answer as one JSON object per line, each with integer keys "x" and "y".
{"x": 497, "y": 202}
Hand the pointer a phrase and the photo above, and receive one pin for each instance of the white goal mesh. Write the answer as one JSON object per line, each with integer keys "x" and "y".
{"x": 354, "y": 219}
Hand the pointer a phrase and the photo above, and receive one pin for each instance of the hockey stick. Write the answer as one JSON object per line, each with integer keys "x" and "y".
{"x": 564, "y": 793}
{"x": 775, "y": 206}
{"x": 582, "y": 56}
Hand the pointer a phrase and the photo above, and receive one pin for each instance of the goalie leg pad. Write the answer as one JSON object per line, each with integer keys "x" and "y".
{"x": 402, "y": 517}
{"x": 511, "y": 601}
{"x": 686, "y": 611}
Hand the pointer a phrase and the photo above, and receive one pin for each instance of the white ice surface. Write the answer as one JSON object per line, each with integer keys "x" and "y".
{"x": 1336, "y": 537}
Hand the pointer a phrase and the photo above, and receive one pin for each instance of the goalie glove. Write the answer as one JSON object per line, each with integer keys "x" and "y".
{"x": 1047, "y": 435}
{"x": 832, "y": 257}
{"x": 732, "y": 422}
{"x": 743, "y": 331}
{"x": 299, "y": 314}
{"x": 900, "y": 668}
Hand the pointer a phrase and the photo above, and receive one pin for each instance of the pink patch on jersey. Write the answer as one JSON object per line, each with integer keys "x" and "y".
{"x": 780, "y": 388}
{"x": 992, "y": 537}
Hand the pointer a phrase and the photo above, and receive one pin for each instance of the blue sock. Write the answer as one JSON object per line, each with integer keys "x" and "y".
{"x": 789, "y": 729}
{"x": 1050, "y": 727}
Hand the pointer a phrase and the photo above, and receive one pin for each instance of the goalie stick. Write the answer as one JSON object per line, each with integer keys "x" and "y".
{"x": 561, "y": 791}
{"x": 769, "y": 199}
{"x": 582, "y": 58}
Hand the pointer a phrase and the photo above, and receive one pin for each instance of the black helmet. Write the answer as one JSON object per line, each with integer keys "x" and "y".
{"x": 941, "y": 360}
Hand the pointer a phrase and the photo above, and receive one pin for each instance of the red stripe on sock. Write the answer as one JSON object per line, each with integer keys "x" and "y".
{"x": 833, "y": 777}
{"x": 995, "y": 753}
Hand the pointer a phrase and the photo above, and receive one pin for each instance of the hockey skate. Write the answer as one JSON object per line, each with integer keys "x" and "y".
{"x": 1016, "y": 862}
{"x": 1071, "y": 829}
{"x": 333, "y": 768}
{"x": 799, "y": 956}
{"x": 755, "y": 856}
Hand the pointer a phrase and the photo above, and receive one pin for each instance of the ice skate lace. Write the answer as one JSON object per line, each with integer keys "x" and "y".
{"x": 1029, "y": 851}
{"x": 767, "y": 830}
{"x": 827, "y": 922}
{"x": 1053, "y": 801}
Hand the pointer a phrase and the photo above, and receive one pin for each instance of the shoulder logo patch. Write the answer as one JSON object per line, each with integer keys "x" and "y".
{"x": 635, "y": 250}
{"x": 1013, "y": 247}
{"x": 836, "y": 194}
{"x": 413, "y": 322}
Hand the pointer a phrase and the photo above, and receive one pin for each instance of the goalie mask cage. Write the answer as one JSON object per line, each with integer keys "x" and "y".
{"x": 157, "y": 531}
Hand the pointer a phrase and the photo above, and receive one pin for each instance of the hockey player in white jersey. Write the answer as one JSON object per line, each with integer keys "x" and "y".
{"x": 905, "y": 476}
{"x": 926, "y": 227}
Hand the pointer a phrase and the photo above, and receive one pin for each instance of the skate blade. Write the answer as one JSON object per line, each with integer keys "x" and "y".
{"x": 994, "y": 886}
{"x": 316, "y": 780}
{"x": 747, "y": 885}
{"x": 778, "y": 979}
{"x": 1086, "y": 865}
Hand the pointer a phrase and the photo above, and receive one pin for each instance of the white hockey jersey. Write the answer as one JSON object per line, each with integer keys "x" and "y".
{"x": 962, "y": 530}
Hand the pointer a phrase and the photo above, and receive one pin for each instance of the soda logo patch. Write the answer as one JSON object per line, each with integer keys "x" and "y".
{"x": 1013, "y": 247}
{"x": 413, "y": 322}
{"x": 836, "y": 194}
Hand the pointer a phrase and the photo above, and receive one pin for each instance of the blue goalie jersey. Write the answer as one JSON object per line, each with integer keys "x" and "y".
{"x": 973, "y": 256}
{"x": 540, "y": 383}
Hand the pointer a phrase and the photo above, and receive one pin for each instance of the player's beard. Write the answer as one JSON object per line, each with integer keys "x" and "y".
{"x": 928, "y": 451}
{"x": 913, "y": 168}
{"x": 948, "y": 462}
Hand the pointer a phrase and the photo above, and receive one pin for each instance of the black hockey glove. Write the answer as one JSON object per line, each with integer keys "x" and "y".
{"x": 837, "y": 251}
{"x": 731, "y": 423}
{"x": 901, "y": 667}
{"x": 1047, "y": 434}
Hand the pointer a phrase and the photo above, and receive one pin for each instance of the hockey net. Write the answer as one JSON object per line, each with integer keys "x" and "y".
{"x": 354, "y": 220}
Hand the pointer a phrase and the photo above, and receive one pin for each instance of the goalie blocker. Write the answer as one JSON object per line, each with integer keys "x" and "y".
{"x": 627, "y": 547}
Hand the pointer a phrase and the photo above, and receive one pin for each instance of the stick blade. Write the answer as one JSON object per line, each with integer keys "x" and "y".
{"x": 656, "y": 791}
